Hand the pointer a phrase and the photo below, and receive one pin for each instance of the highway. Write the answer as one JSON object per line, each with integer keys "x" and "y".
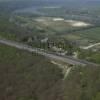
{"x": 50, "y": 55}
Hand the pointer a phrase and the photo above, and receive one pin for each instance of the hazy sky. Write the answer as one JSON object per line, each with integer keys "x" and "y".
{"x": 51, "y": 0}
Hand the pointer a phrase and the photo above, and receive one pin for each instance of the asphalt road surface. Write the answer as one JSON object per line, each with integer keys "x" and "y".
{"x": 65, "y": 59}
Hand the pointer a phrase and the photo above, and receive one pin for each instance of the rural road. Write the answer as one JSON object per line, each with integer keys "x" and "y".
{"x": 67, "y": 73}
{"x": 65, "y": 59}
{"x": 90, "y": 46}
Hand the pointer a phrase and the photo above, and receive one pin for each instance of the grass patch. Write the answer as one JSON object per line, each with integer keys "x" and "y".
{"x": 92, "y": 34}
{"x": 72, "y": 37}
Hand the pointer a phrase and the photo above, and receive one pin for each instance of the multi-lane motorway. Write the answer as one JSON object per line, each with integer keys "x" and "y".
{"x": 65, "y": 59}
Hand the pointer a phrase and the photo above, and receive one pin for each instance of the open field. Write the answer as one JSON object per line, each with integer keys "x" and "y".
{"x": 90, "y": 56}
{"x": 85, "y": 37}
{"x": 62, "y": 21}
{"x": 93, "y": 34}
{"x": 83, "y": 33}
{"x": 54, "y": 25}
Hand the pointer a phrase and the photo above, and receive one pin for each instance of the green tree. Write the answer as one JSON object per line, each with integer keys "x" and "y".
{"x": 97, "y": 96}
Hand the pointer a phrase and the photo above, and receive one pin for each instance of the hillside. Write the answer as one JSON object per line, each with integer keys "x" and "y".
{"x": 83, "y": 84}
{"x": 26, "y": 76}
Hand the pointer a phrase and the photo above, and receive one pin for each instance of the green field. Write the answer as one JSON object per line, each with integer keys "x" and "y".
{"x": 47, "y": 25}
{"x": 90, "y": 56}
{"x": 92, "y": 34}
{"x": 84, "y": 37}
